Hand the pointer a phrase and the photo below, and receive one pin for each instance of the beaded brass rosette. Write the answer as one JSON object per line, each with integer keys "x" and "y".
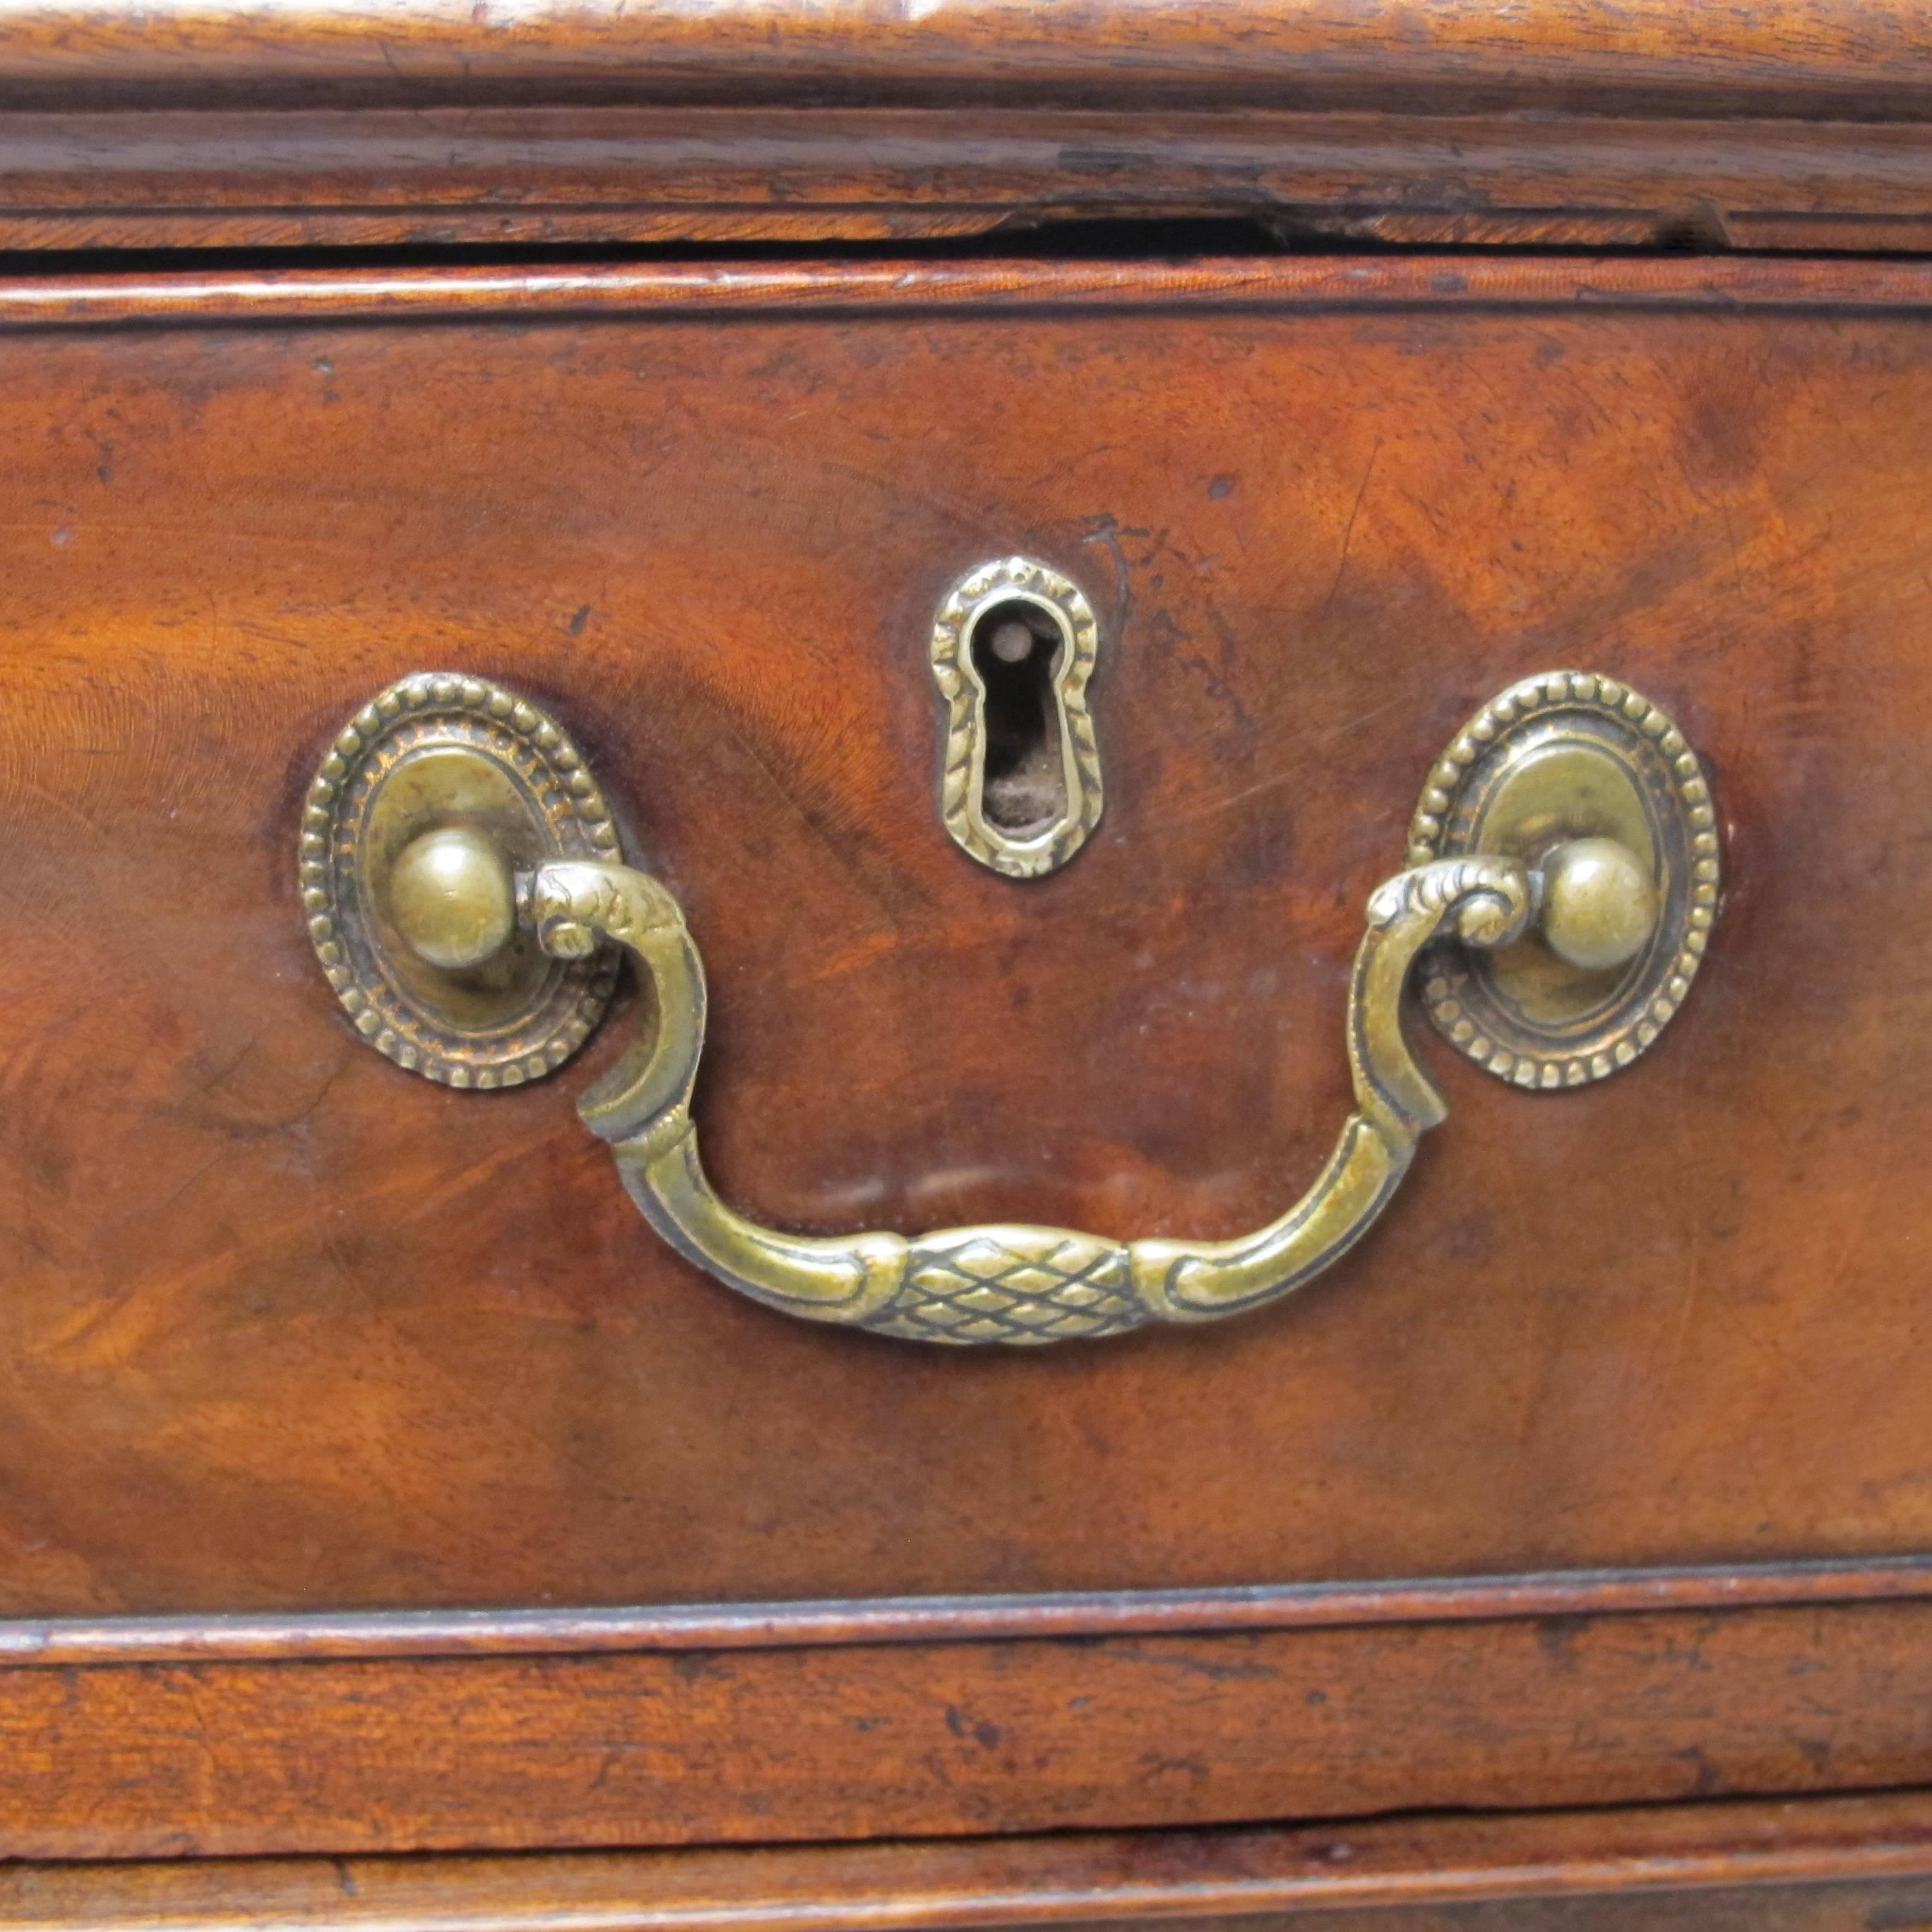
{"x": 434, "y": 751}
{"x": 1557, "y": 756}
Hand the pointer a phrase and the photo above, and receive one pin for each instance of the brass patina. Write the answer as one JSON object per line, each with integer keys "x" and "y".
{"x": 453, "y": 898}
{"x": 431, "y": 797}
{"x": 1560, "y": 865}
{"x": 1069, "y": 801}
{"x": 1591, "y": 786}
{"x": 1599, "y": 904}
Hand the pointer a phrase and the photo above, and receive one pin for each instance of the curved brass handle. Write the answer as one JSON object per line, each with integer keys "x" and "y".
{"x": 1001, "y": 1282}
{"x": 459, "y": 870}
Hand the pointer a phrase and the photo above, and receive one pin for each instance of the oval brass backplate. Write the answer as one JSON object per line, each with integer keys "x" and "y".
{"x": 1562, "y": 757}
{"x": 438, "y": 753}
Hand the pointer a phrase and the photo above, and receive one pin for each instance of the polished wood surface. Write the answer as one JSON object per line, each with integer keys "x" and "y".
{"x": 1849, "y": 61}
{"x": 290, "y": 1755}
{"x": 273, "y": 296}
{"x": 372, "y": 1482}
{"x": 1543, "y": 123}
{"x": 1857, "y": 1864}
{"x": 286, "y": 1330}
{"x": 569, "y": 174}
{"x": 893, "y": 1620}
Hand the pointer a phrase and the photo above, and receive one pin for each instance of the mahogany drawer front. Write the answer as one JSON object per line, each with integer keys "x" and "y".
{"x": 285, "y": 1330}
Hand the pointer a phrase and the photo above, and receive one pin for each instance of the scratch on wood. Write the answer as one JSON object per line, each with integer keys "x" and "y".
{"x": 1349, "y": 532}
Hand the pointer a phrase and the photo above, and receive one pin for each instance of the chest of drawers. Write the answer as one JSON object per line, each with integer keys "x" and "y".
{"x": 945, "y": 561}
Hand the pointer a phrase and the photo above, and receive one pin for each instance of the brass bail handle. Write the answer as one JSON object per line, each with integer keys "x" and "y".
{"x": 1566, "y": 883}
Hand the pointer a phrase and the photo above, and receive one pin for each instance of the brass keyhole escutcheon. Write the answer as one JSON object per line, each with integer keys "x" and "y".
{"x": 1013, "y": 645}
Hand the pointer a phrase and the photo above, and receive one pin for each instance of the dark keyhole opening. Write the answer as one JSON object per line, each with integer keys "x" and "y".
{"x": 1016, "y": 650}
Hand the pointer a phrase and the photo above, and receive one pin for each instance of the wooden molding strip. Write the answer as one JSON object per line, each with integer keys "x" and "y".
{"x": 1075, "y": 1880}
{"x": 1810, "y": 58}
{"x": 193, "y": 299}
{"x": 562, "y": 175}
{"x": 723, "y": 1627}
{"x": 240, "y": 1757}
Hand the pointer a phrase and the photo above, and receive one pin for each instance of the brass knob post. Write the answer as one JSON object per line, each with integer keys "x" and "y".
{"x": 1600, "y": 907}
{"x": 453, "y": 898}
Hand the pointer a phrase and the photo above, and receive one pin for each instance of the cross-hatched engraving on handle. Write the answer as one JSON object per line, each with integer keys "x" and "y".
{"x": 1013, "y": 1285}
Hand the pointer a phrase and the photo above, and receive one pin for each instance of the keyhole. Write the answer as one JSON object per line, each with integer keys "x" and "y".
{"x": 1016, "y": 649}
{"x": 1014, "y": 644}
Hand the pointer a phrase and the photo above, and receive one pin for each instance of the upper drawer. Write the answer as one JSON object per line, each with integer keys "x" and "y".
{"x": 380, "y": 1341}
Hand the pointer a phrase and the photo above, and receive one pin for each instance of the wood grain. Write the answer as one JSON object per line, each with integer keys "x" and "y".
{"x": 295, "y": 1355}
{"x": 1817, "y": 57}
{"x": 287, "y": 1331}
{"x": 511, "y": 174}
{"x": 228, "y": 1759}
{"x": 1844, "y": 1865}
{"x": 708, "y": 1627}
{"x": 259, "y": 298}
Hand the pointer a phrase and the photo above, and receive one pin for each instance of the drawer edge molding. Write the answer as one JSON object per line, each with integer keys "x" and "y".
{"x": 509, "y": 174}
{"x": 1814, "y": 57}
{"x": 1073, "y": 1880}
{"x": 67, "y": 1642}
{"x": 192, "y": 298}
{"x": 961, "y": 1740}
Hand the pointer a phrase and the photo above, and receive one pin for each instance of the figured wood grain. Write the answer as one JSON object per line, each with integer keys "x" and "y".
{"x": 225, "y": 1759}
{"x": 1858, "y": 1864}
{"x": 285, "y": 1331}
